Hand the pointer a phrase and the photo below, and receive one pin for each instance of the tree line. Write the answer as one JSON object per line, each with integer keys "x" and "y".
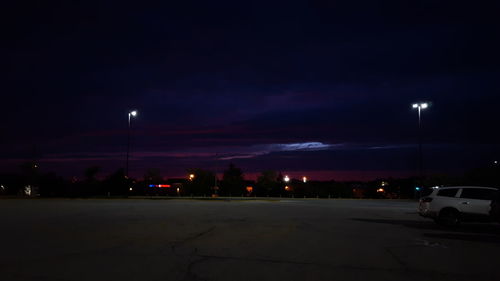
{"x": 202, "y": 182}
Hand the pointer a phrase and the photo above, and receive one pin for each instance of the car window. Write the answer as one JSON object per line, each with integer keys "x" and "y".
{"x": 478, "y": 193}
{"x": 451, "y": 192}
{"x": 426, "y": 192}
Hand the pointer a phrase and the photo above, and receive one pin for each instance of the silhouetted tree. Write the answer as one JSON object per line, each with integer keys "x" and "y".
{"x": 90, "y": 186}
{"x": 233, "y": 182}
{"x": 52, "y": 185}
{"x": 268, "y": 184}
{"x": 116, "y": 183}
{"x": 29, "y": 173}
{"x": 153, "y": 175}
{"x": 202, "y": 183}
{"x": 91, "y": 173}
{"x": 484, "y": 176}
{"x": 12, "y": 184}
{"x": 301, "y": 189}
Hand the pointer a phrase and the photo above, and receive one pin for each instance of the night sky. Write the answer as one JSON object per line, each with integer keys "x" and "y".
{"x": 314, "y": 88}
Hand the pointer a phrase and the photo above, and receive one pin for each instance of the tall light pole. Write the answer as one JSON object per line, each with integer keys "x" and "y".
{"x": 420, "y": 107}
{"x": 131, "y": 114}
{"x": 216, "y": 188}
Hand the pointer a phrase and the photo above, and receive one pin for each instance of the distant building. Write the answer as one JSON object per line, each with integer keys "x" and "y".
{"x": 170, "y": 187}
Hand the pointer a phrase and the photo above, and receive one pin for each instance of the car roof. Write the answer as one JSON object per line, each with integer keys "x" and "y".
{"x": 482, "y": 187}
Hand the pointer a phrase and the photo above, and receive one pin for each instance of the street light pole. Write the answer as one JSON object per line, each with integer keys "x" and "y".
{"x": 420, "y": 107}
{"x": 130, "y": 115}
{"x": 216, "y": 188}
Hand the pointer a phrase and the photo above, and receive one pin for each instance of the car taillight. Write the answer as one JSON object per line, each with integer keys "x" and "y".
{"x": 426, "y": 199}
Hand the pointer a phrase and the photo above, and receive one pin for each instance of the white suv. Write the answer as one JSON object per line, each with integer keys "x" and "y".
{"x": 450, "y": 205}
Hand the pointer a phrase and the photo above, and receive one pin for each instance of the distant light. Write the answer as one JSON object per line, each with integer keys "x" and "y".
{"x": 495, "y": 162}
{"x": 304, "y": 179}
{"x": 415, "y": 105}
{"x": 417, "y": 188}
{"x": 286, "y": 179}
{"x": 159, "y": 185}
{"x": 380, "y": 190}
{"x": 133, "y": 113}
{"x": 191, "y": 176}
{"x": 287, "y": 188}
{"x": 424, "y": 105}
{"x": 27, "y": 190}
{"x": 178, "y": 190}
{"x": 130, "y": 189}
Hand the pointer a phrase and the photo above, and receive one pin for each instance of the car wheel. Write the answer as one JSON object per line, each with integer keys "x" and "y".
{"x": 448, "y": 217}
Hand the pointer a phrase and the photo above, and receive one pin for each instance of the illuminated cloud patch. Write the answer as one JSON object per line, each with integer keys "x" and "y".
{"x": 312, "y": 146}
{"x": 259, "y": 150}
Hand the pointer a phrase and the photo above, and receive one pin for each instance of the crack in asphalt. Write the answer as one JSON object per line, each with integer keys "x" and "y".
{"x": 405, "y": 270}
{"x": 190, "y": 275}
{"x": 193, "y": 257}
{"x": 397, "y": 259}
{"x": 260, "y": 260}
{"x": 175, "y": 245}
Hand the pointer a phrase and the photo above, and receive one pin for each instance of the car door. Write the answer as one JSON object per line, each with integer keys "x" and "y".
{"x": 476, "y": 201}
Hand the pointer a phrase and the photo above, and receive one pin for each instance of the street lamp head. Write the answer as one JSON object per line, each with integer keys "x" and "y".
{"x": 422, "y": 105}
{"x": 133, "y": 113}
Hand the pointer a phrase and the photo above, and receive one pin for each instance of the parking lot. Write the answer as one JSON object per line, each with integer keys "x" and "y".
{"x": 272, "y": 239}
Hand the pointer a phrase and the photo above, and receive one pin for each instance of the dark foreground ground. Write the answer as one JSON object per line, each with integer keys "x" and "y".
{"x": 238, "y": 240}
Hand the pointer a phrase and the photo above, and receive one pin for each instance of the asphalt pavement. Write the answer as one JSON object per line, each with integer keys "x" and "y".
{"x": 271, "y": 239}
